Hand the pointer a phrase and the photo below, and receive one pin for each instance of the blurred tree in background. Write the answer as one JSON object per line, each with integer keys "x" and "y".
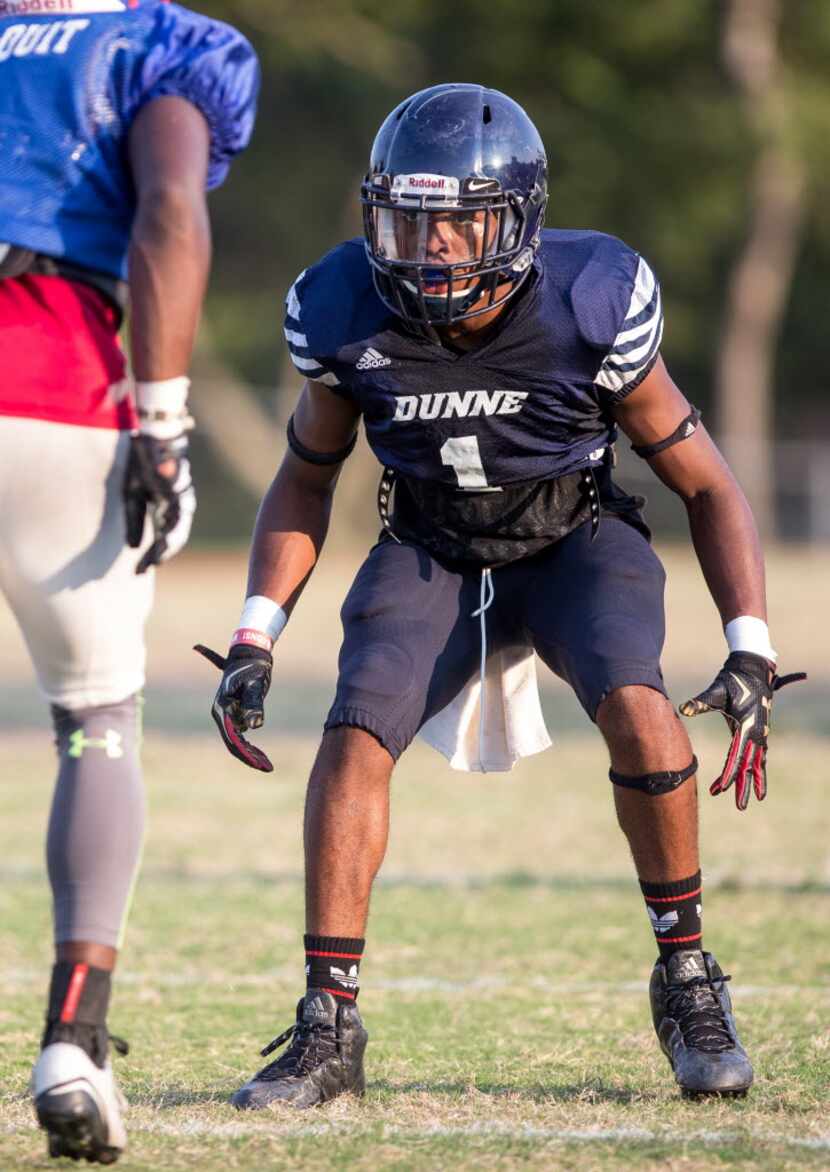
{"x": 697, "y": 131}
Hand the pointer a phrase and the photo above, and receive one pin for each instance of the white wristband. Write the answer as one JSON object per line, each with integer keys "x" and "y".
{"x": 262, "y": 622}
{"x": 746, "y": 633}
{"x": 162, "y": 407}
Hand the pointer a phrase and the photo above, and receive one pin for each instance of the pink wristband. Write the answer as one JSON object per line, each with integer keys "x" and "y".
{"x": 252, "y": 638}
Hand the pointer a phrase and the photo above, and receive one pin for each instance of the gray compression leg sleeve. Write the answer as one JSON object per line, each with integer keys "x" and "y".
{"x": 96, "y": 825}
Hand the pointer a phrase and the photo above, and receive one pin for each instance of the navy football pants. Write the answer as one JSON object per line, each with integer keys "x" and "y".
{"x": 592, "y": 610}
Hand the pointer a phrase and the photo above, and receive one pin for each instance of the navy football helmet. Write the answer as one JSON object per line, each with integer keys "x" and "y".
{"x": 453, "y": 203}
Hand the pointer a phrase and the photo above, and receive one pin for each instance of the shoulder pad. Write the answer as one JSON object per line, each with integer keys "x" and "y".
{"x": 617, "y": 306}
{"x": 209, "y": 64}
{"x": 325, "y": 309}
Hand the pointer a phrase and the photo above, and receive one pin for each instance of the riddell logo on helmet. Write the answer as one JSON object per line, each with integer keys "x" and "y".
{"x": 425, "y": 184}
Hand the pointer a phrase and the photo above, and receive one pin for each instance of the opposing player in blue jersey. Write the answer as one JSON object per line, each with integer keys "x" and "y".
{"x": 492, "y": 362}
{"x": 114, "y": 119}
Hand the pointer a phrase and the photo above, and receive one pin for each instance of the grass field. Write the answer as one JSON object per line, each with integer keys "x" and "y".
{"x": 504, "y": 987}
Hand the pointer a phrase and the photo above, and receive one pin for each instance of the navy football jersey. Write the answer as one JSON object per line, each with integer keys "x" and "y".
{"x": 531, "y": 403}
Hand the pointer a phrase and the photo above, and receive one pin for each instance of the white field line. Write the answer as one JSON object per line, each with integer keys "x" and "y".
{"x": 487, "y": 1130}
{"x": 25, "y": 978}
{"x": 793, "y": 884}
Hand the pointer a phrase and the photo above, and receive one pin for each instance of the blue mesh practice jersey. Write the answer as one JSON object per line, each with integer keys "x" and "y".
{"x": 73, "y": 76}
{"x": 531, "y": 403}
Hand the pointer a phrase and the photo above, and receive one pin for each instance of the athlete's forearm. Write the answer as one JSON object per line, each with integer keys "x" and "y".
{"x": 169, "y": 266}
{"x": 729, "y": 550}
{"x": 290, "y": 530}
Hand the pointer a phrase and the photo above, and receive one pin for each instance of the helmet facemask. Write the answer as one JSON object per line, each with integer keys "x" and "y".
{"x": 443, "y": 250}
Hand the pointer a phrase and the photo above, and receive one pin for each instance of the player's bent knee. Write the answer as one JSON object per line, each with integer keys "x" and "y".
{"x": 634, "y": 703}
{"x": 112, "y": 729}
{"x": 655, "y": 784}
{"x": 352, "y": 748}
{"x": 633, "y": 715}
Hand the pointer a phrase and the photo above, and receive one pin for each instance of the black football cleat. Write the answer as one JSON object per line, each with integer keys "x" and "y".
{"x": 692, "y": 1014}
{"x": 324, "y": 1060}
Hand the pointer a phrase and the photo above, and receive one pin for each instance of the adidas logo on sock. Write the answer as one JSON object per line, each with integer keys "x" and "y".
{"x": 347, "y": 979}
{"x": 662, "y": 923}
{"x": 371, "y": 360}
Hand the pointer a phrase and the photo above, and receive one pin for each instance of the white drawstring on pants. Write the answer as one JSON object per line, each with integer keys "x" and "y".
{"x": 488, "y": 593}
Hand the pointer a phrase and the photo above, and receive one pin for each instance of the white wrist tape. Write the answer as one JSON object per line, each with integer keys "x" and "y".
{"x": 261, "y": 623}
{"x": 746, "y": 633}
{"x": 162, "y": 407}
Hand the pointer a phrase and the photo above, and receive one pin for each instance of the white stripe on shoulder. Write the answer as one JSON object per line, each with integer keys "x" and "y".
{"x": 617, "y": 380}
{"x": 305, "y": 364}
{"x": 643, "y": 328}
{"x": 295, "y": 339}
{"x": 292, "y": 301}
{"x": 634, "y": 348}
{"x": 622, "y": 357}
{"x": 644, "y": 284}
{"x": 331, "y": 380}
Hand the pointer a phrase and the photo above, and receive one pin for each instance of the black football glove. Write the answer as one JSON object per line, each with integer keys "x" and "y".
{"x": 239, "y": 702}
{"x": 168, "y": 496}
{"x": 742, "y": 690}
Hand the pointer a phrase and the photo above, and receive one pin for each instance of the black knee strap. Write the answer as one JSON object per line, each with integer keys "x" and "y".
{"x": 655, "y": 783}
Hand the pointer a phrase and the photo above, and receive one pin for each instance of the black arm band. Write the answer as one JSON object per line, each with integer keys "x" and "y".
{"x": 310, "y": 457}
{"x": 685, "y": 428}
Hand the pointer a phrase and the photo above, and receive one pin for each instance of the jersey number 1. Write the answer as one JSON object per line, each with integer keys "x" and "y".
{"x": 462, "y": 455}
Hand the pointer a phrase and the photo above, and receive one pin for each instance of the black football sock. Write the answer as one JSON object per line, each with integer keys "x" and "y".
{"x": 332, "y": 963}
{"x": 79, "y": 997}
{"x": 674, "y": 910}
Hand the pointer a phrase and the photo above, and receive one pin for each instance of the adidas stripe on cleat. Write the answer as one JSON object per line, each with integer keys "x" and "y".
{"x": 324, "y": 1058}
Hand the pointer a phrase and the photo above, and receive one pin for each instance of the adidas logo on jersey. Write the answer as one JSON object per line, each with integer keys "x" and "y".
{"x": 371, "y": 360}
{"x": 662, "y": 923}
{"x": 458, "y": 405}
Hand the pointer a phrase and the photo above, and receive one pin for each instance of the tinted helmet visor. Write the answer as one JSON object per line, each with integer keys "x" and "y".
{"x": 446, "y": 254}
{"x": 437, "y": 238}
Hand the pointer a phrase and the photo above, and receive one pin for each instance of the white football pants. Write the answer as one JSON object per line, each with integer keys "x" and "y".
{"x": 64, "y": 567}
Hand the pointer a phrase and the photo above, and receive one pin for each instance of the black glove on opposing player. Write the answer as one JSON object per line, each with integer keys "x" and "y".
{"x": 169, "y": 498}
{"x": 238, "y": 704}
{"x": 742, "y": 690}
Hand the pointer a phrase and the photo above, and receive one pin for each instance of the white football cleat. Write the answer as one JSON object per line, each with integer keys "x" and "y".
{"x": 78, "y": 1104}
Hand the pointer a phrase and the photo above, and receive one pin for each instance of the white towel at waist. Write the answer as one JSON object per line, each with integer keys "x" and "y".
{"x": 512, "y": 725}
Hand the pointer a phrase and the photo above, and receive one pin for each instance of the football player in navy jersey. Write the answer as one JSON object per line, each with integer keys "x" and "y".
{"x": 114, "y": 118}
{"x": 492, "y": 362}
